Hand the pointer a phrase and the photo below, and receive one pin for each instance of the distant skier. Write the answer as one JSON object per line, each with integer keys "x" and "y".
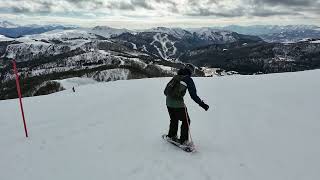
{"x": 73, "y": 89}
{"x": 175, "y": 91}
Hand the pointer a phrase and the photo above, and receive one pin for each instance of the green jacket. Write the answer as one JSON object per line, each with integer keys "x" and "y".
{"x": 189, "y": 85}
{"x": 174, "y": 103}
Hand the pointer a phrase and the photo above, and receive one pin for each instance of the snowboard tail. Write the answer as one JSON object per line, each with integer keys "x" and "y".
{"x": 179, "y": 145}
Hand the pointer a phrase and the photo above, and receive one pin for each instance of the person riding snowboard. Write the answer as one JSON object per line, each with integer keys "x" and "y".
{"x": 175, "y": 91}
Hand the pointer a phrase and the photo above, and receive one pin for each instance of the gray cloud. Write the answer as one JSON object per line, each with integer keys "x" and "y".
{"x": 207, "y": 12}
{"x": 17, "y": 9}
{"x": 172, "y": 5}
{"x": 94, "y": 4}
{"x": 194, "y": 8}
{"x": 268, "y": 13}
{"x": 265, "y": 8}
{"x": 121, "y": 6}
{"x": 287, "y": 2}
{"x": 172, "y": 2}
{"x": 193, "y": 3}
{"x": 315, "y": 10}
{"x": 130, "y": 5}
{"x": 141, "y": 3}
{"x": 44, "y": 7}
{"x": 254, "y": 8}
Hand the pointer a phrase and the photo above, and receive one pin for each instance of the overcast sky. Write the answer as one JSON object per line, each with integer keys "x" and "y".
{"x": 170, "y": 13}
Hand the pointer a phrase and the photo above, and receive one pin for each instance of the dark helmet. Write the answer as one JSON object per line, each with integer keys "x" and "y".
{"x": 190, "y": 67}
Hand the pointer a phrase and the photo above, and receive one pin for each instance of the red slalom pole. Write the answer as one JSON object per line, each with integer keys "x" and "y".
{"x": 20, "y": 97}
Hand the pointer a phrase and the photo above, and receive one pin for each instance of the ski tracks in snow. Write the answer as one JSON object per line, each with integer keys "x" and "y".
{"x": 167, "y": 48}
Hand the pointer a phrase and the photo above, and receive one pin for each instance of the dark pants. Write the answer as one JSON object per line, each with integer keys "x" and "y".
{"x": 177, "y": 114}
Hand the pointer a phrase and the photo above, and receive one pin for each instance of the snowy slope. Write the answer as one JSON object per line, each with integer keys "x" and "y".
{"x": 35, "y": 46}
{"x": 31, "y": 49}
{"x": 167, "y": 48}
{"x": 258, "y": 128}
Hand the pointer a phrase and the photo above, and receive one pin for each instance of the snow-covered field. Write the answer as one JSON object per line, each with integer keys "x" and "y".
{"x": 262, "y": 127}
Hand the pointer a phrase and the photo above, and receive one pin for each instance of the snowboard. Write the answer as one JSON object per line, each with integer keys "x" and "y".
{"x": 188, "y": 149}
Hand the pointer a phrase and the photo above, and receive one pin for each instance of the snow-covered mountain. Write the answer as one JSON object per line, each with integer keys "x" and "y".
{"x": 291, "y": 36}
{"x": 275, "y": 33}
{"x": 12, "y": 30}
{"x": 215, "y": 35}
{"x": 267, "y": 29}
{"x": 176, "y": 32}
{"x": 74, "y": 53}
{"x": 108, "y": 54}
{"x": 107, "y": 32}
{"x": 171, "y": 43}
{"x": 270, "y": 33}
{"x": 222, "y": 36}
{"x": 257, "y": 128}
{"x": 60, "y": 35}
{"x": 51, "y": 43}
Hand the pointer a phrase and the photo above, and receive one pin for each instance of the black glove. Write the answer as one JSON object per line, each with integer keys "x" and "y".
{"x": 204, "y": 106}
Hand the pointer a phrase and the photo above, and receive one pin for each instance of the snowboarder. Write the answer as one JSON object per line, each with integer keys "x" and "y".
{"x": 175, "y": 91}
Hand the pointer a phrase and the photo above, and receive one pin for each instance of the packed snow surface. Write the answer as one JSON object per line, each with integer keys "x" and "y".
{"x": 262, "y": 127}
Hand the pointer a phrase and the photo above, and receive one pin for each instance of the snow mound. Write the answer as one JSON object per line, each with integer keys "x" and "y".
{"x": 257, "y": 128}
